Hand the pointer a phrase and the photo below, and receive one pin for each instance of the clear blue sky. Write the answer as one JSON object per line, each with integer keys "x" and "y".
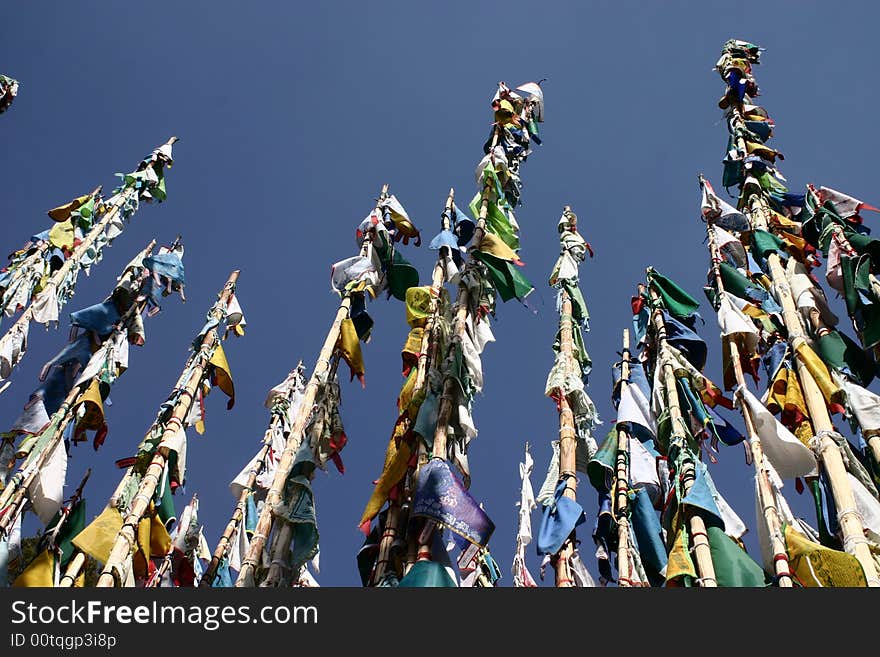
{"x": 292, "y": 115}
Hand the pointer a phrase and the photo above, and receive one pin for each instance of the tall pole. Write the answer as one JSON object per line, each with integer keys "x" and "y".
{"x": 116, "y": 569}
{"x": 275, "y": 425}
{"x": 444, "y": 410}
{"x": 51, "y": 286}
{"x": 757, "y": 208}
{"x": 13, "y": 496}
{"x": 621, "y": 485}
{"x": 319, "y": 374}
{"x": 567, "y": 433}
{"x": 766, "y": 498}
{"x": 425, "y": 360}
{"x": 702, "y": 553}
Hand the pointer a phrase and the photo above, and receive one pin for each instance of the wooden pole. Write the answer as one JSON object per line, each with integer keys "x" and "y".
{"x": 766, "y": 498}
{"x": 621, "y": 485}
{"x": 702, "y": 553}
{"x": 444, "y": 411}
{"x": 223, "y": 544}
{"x": 273, "y": 497}
{"x": 277, "y": 574}
{"x": 74, "y": 566}
{"x": 426, "y": 354}
{"x": 116, "y": 569}
{"x": 567, "y": 442}
{"x": 567, "y": 434}
{"x": 14, "y": 494}
{"x": 61, "y": 273}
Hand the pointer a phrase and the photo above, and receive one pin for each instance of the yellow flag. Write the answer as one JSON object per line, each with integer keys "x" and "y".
{"x": 62, "y": 235}
{"x": 350, "y": 349}
{"x": 396, "y": 459}
{"x": 96, "y": 540}
{"x": 680, "y": 563}
{"x": 152, "y": 541}
{"x": 222, "y": 375}
{"x": 817, "y": 565}
{"x": 831, "y": 391}
{"x": 493, "y": 245}
{"x": 94, "y": 407}
{"x": 62, "y": 212}
{"x": 39, "y": 573}
{"x": 418, "y": 305}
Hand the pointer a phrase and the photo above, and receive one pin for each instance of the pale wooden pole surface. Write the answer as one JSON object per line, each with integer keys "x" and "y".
{"x": 438, "y": 276}
{"x": 702, "y": 553}
{"x": 116, "y": 569}
{"x": 74, "y": 566}
{"x": 246, "y": 576}
{"x": 567, "y": 442}
{"x": 766, "y": 498}
{"x": 13, "y": 495}
{"x": 621, "y": 511}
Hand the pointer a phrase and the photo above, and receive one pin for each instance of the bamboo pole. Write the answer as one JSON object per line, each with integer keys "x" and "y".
{"x": 13, "y": 496}
{"x": 444, "y": 410}
{"x": 567, "y": 443}
{"x": 567, "y": 436}
{"x": 74, "y": 567}
{"x": 277, "y": 573}
{"x": 766, "y": 498}
{"x": 61, "y": 273}
{"x": 116, "y": 570}
{"x": 702, "y": 553}
{"x": 426, "y": 354}
{"x": 621, "y": 486}
{"x": 223, "y": 544}
{"x": 273, "y": 497}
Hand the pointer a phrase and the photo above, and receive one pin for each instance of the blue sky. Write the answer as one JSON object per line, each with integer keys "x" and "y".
{"x": 291, "y": 116}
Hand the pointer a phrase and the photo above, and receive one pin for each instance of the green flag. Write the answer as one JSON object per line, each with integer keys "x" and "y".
{"x": 601, "y": 467}
{"x": 73, "y": 525}
{"x": 678, "y": 302}
{"x": 733, "y": 567}
{"x": 427, "y": 574}
{"x": 766, "y": 243}
{"x": 508, "y": 282}
{"x": 841, "y": 353}
{"x": 496, "y": 221}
